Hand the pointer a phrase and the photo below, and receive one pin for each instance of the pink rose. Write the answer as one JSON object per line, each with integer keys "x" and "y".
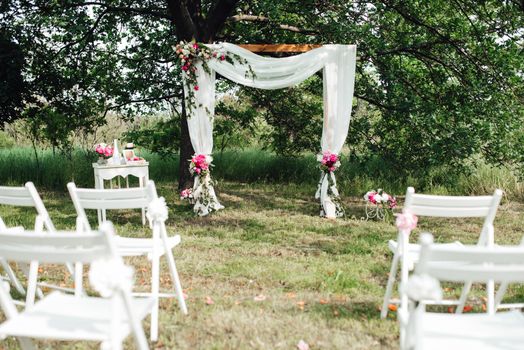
{"x": 185, "y": 68}
{"x": 196, "y": 88}
{"x": 223, "y": 57}
{"x": 371, "y": 198}
{"x": 99, "y": 149}
{"x": 195, "y": 46}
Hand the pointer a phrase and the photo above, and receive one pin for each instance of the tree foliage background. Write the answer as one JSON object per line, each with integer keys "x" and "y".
{"x": 440, "y": 83}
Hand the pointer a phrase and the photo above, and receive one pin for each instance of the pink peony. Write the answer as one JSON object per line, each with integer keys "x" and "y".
{"x": 108, "y": 151}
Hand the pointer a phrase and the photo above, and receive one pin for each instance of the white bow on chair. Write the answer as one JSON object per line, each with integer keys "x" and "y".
{"x": 108, "y": 276}
{"x": 157, "y": 210}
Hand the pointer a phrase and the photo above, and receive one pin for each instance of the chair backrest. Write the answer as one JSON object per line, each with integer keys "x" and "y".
{"x": 128, "y": 198}
{"x": 57, "y": 247}
{"x": 457, "y": 207}
{"x": 470, "y": 263}
{"x": 26, "y": 196}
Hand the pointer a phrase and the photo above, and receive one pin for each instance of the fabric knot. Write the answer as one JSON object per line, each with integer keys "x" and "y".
{"x": 423, "y": 287}
{"x": 157, "y": 210}
{"x": 109, "y": 275}
{"x": 406, "y": 221}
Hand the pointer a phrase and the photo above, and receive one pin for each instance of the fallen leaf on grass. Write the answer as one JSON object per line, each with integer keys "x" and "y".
{"x": 467, "y": 308}
{"x": 392, "y": 307}
{"x": 209, "y": 301}
{"x": 291, "y": 295}
{"x": 260, "y": 297}
{"x": 238, "y": 302}
{"x": 323, "y": 302}
{"x": 301, "y": 304}
{"x": 302, "y": 345}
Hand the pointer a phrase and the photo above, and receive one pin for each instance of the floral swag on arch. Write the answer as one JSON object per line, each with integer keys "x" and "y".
{"x": 201, "y": 62}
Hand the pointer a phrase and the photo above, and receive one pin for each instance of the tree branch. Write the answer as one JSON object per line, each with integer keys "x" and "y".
{"x": 251, "y": 18}
{"x": 217, "y": 17}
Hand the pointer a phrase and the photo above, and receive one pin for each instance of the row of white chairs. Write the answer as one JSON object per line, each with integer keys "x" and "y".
{"x": 160, "y": 244}
{"x": 407, "y": 254}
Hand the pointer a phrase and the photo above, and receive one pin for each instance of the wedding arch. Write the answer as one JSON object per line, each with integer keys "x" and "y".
{"x": 247, "y": 68}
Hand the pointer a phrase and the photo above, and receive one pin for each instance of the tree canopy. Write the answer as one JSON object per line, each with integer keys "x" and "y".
{"x": 438, "y": 82}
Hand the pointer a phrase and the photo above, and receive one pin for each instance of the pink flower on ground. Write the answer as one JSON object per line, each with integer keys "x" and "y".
{"x": 302, "y": 345}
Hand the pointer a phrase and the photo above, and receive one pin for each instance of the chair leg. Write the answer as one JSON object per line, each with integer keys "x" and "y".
{"x": 490, "y": 287}
{"x": 155, "y": 287}
{"x": 389, "y": 287}
{"x": 12, "y": 277}
{"x": 174, "y": 273}
{"x": 500, "y": 294}
{"x": 31, "y": 284}
{"x": 26, "y": 344}
{"x": 463, "y": 297}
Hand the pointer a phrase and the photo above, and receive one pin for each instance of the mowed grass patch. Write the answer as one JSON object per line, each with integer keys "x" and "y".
{"x": 266, "y": 271}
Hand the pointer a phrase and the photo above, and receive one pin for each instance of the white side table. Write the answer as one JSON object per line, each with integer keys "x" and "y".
{"x": 110, "y": 171}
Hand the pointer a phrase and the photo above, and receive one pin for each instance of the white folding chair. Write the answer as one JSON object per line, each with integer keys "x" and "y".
{"x": 153, "y": 248}
{"x": 75, "y": 317}
{"x": 441, "y": 206}
{"x": 479, "y": 331}
{"x": 25, "y": 196}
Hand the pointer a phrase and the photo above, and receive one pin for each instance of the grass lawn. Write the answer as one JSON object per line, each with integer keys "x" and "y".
{"x": 267, "y": 272}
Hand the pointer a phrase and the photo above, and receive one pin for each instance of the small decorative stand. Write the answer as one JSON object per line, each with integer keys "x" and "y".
{"x": 375, "y": 211}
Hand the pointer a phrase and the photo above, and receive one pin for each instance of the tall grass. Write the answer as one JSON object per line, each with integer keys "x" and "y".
{"x": 53, "y": 171}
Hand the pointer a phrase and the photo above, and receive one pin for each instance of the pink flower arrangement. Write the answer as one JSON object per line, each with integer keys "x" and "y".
{"x": 329, "y": 162}
{"x": 186, "y": 194}
{"x": 380, "y": 197}
{"x": 104, "y": 150}
{"x": 199, "y": 164}
{"x": 189, "y": 52}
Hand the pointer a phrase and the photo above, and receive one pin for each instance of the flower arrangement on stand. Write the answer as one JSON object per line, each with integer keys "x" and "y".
{"x": 327, "y": 191}
{"x": 379, "y": 205}
{"x": 192, "y": 52}
{"x": 104, "y": 152}
{"x": 203, "y": 194}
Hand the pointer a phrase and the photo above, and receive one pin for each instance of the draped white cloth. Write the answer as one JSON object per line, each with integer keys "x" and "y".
{"x": 338, "y": 64}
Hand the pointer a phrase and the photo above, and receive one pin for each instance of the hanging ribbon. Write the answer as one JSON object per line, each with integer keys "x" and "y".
{"x": 329, "y": 196}
{"x": 406, "y": 222}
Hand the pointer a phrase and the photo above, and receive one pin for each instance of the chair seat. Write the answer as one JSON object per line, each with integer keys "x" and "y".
{"x": 65, "y": 317}
{"x": 502, "y": 331}
{"x": 129, "y": 246}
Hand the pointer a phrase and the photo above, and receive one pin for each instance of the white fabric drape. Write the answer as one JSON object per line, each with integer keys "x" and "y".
{"x": 338, "y": 64}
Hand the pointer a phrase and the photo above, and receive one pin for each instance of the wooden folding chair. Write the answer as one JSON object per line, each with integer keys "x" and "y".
{"x": 156, "y": 246}
{"x": 75, "y": 317}
{"x": 421, "y": 330}
{"x": 448, "y": 207}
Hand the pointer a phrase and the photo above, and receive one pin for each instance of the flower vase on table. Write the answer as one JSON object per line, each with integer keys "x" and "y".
{"x": 104, "y": 153}
{"x": 379, "y": 205}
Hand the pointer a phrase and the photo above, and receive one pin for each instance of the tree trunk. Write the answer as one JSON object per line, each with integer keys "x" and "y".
{"x": 185, "y": 180}
{"x": 190, "y": 24}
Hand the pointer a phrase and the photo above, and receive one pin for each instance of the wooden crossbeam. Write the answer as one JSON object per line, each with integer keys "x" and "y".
{"x": 277, "y": 48}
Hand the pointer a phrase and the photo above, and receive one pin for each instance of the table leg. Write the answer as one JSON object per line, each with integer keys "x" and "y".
{"x": 99, "y": 184}
{"x": 141, "y": 183}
